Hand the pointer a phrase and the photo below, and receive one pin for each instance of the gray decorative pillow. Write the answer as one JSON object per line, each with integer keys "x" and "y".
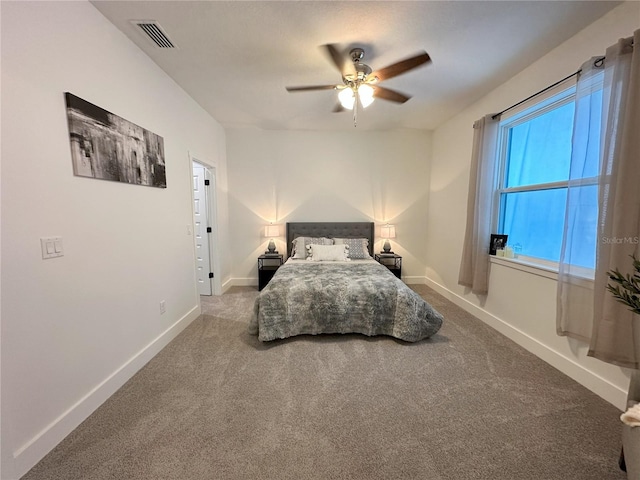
{"x": 357, "y": 247}
{"x": 300, "y": 245}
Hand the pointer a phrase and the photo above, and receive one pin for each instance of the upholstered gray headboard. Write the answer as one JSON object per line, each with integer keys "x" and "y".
{"x": 330, "y": 230}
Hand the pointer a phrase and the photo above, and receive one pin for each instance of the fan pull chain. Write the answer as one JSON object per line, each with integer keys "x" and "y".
{"x": 355, "y": 111}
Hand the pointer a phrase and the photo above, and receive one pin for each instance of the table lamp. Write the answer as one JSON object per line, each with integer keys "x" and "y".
{"x": 387, "y": 231}
{"x": 271, "y": 231}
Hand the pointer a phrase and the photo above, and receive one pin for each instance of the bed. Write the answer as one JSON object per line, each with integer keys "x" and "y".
{"x": 338, "y": 295}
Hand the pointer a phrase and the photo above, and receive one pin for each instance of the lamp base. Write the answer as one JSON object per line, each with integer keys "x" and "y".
{"x": 269, "y": 252}
{"x": 390, "y": 253}
{"x": 271, "y": 248}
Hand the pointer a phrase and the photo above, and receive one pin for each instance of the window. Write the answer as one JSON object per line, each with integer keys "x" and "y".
{"x": 535, "y": 176}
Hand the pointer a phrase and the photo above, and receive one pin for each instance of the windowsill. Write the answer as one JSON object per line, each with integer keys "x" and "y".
{"x": 525, "y": 265}
{"x": 550, "y": 270}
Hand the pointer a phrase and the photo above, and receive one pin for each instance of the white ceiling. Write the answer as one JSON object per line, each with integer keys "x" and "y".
{"x": 236, "y": 57}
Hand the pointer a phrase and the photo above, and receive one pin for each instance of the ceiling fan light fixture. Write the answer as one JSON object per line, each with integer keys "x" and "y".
{"x": 347, "y": 98}
{"x": 365, "y": 93}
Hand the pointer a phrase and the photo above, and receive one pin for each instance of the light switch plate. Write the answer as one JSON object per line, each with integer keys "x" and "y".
{"x": 51, "y": 247}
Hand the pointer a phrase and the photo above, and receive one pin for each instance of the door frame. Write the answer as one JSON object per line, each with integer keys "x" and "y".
{"x": 211, "y": 173}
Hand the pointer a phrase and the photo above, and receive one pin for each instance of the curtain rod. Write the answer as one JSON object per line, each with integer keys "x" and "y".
{"x": 535, "y": 94}
{"x": 597, "y": 63}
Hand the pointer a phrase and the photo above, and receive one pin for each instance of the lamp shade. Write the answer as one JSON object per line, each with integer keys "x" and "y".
{"x": 347, "y": 98}
{"x": 388, "y": 231}
{"x": 272, "y": 231}
{"x": 365, "y": 93}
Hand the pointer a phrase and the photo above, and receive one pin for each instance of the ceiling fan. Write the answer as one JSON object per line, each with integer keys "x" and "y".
{"x": 360, "y": 84}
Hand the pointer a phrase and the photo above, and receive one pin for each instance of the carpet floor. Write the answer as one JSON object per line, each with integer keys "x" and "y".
{"x": 466, "y": 404}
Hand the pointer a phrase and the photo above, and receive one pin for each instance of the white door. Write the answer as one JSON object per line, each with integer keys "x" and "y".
{"x": 201, "y": 224}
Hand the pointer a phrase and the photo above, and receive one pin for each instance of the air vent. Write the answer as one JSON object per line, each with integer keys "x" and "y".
{"x": 155, "y": 33}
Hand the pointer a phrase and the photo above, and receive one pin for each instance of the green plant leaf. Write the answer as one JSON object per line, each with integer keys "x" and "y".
{"x": 626, "y": 288}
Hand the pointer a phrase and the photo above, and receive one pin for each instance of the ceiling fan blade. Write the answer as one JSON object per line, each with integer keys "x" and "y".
{"x": 310, "y": 88}
{"x": 334, "y": 54}
{"x": 344, "y": 65}
{"x": 401, "y": 67}
{"x": 388, "y": 94}
{"x": 338, "y": 108}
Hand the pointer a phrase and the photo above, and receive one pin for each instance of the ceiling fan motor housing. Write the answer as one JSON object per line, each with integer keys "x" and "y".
{"x": 357, "y": 54}
{"x": 361, "y": 70}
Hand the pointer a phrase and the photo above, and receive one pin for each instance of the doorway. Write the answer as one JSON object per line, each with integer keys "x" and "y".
{"x": 205, "y": 228}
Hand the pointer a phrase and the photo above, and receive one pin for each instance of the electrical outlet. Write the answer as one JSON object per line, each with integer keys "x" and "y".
{"x": 163, "y": 307}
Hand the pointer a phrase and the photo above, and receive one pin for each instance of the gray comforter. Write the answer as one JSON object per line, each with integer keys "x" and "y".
{"x": 341, "y": 297}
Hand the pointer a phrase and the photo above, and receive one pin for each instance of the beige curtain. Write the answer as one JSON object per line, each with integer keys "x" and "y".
{"x": 616, "y": 331}
{"x": 474, "y": 267}
{"x": 575, "y": 293}
{"x": 596, "y": 317}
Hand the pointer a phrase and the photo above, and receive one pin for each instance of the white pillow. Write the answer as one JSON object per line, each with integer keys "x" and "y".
{"x": 328, "y": 253}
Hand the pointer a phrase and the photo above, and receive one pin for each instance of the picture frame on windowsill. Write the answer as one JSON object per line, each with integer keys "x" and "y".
{"x": 498, "y": 242}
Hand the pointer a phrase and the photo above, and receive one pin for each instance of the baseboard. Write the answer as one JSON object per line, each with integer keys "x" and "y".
{"x": 598, "y": 385}
{"x": 245, "y": 282}
{"x": 35, "y": 449}
{"x": 414, "y": 280}
{"x": 227, "y": 285}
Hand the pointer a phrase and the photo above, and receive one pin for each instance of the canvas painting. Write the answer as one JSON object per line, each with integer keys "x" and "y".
{"x": 108, "y": 147}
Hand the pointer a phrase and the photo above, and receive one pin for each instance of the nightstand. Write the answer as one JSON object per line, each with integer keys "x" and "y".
{"x": 267, "y": 266}
{"x": 392, "y": 261}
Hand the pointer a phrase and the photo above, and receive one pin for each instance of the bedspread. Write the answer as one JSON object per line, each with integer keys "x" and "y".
{"x": 341, "y": 297}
